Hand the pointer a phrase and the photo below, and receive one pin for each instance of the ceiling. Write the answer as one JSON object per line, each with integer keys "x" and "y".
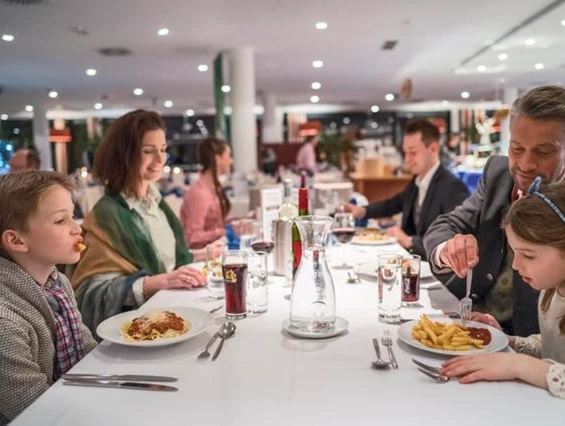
{"x": 440, "y": 45}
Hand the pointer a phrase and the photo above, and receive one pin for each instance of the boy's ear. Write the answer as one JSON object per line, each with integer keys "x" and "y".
{"x": 12, "y": 241}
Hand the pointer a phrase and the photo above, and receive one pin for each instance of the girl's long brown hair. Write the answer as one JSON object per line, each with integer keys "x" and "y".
{"x": 534, "y": 221}
{"x": 207, "y": 151}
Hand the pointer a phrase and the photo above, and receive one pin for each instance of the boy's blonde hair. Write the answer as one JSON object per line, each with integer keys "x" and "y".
{"x": 20, "y": 194}
{"x": 534, "y": 221}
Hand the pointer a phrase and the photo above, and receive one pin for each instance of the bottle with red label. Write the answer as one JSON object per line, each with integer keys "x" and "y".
{"x": 302, "y": 211}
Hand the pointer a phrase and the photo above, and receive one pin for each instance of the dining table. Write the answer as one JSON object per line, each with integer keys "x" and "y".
{"x": 265, "y": 376}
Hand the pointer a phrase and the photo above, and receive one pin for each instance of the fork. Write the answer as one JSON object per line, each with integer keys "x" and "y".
{"x": 435, "y": 376}
{"x": 206, "y": 353}
{"x": 466, "y": 304}
{"x": 386, "y": 340}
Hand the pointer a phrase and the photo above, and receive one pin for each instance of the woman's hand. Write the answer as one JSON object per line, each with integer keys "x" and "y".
{"x": 184, "y": 277}
{"x": 485, "y": 319}
{"x": 497, "y": 367}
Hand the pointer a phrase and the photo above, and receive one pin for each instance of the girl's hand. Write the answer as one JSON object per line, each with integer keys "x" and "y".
{"x": 485, "y": 319}
{"x": 487, "y": 367}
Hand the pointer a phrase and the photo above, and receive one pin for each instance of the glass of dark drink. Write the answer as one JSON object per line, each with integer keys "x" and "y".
{"x": 234, "y": 269}
{"x": 260, "y": 243}
{"x": 343, "y": 229}
{"x": 410, "y": 280}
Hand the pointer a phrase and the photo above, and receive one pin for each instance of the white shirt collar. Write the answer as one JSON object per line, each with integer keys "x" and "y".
{"x": 423, "y": 183}
{"x": 153, "y": 198}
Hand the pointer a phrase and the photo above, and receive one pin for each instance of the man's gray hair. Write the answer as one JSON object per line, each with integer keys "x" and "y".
{"x": 541, "y": 103}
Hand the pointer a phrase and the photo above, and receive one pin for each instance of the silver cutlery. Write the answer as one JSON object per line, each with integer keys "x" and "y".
{"x": 216, "y": 309}
{"x": 204, "y": 355}
{"x": 353, "y": 278}
{"x": 466, "y": 304}
{"x": 431, "y": 369}
{"x": 227, "y": 330}
{"x": 118, "y": 385}
{"x": 386, "y": 340}
{"x": 379, "y": 364}
{"x": 435, "y": 376}
{"x": 120, "y": 377}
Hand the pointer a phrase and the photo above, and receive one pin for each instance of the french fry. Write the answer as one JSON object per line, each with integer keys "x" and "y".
{"x": 449, "y": 337}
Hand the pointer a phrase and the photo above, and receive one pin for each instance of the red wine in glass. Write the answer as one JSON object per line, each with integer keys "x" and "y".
{"x": 235, "y": 284}
{"x": 262, "y": 246}
{"x": 344, "y": 235}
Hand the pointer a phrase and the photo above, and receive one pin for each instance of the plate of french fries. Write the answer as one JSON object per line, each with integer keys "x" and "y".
{"x": 449, "y": 337}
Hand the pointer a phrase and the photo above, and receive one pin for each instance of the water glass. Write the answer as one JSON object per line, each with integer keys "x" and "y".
{"x": 390, "y": 298}
{"x": 214, "y": 275}
{"x": 411, "y": 280}
{"x": 257, "y": 289}
{"x": 234, "y": 268}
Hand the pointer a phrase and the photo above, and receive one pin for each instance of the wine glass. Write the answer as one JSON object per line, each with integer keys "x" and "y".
{"x": 259, "y": 242}
{"x": 343, "y": 229}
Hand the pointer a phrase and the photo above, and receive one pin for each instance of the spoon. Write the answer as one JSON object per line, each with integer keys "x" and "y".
{"x": 379, "y": 364}
{"x": 353, "y": 278}
{"x": 226, "y": 331}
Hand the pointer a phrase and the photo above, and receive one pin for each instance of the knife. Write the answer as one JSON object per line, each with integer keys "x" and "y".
{"x": 119, "y": 385}
{"x": 121, "y": 377}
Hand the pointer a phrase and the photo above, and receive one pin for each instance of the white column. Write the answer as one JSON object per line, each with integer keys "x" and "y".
{"x": 243, "y": 132}
{"x": 41, "y": 135}
{"x": 272, "y": 120}
{"x": 510, "y": 95}
{"x": 455, "y": 122}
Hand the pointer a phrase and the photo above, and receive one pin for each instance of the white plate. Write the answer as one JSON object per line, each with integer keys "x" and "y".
{"x": 370, "y": 268}
{"x": 110, "y": 329}
{"x": 499, "y": 339}
{"x": 341, "y": 325}
{"x": 383, "y": 242}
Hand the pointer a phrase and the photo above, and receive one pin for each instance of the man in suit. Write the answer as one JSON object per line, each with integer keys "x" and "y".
{"x": 471, "y": 237}
{"x": 432, "y": 191}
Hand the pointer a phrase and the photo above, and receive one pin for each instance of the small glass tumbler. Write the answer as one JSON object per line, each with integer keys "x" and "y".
{"x": 257, "y": 289}
{"x": 234, "y": 267}
{"x": 389, "y": 288}
{"x": 411, "y": 281}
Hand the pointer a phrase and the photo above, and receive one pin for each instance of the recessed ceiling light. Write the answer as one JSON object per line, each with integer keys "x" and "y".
{"x": 138, "y": 92}
{"x": 465, "y": 95}
{"x": 226, "y": 88}
{"x": 189, "y": 112}
{"x": 53, "y": 94}
{"x": 389, "y": 97}
{"x": 168, "y": 104}
{"x": 91, "y": 72}
{"x": 314, "y": 99}
{"x": 539, "y": 66}
{"x": 444, "y": 103}
{"x": 530, "y": 42}
{"x": 4, "y": 117}
{"x": 321, "y": 25}
{"x": 481, "y": 68}
{"x": 29, "y": 108}
{"x": 503, "y": 56}
{"x": 98, "y": 106}
{"x": 163, "y": 32}
{"x": 316, "y": 85}
{"x": 563, "y": 22}
{"x": 375, "y": 108}
{"x": 8, "y": 37}
{"x": 202, "y": 67}
{"x": 318, "y": 64}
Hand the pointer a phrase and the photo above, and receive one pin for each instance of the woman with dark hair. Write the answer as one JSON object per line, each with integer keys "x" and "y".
{"x": 136, "y": 246}
{"x": 205, "y": 205}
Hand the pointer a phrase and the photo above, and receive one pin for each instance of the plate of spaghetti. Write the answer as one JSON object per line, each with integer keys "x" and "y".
{"x": 155, "y": 327}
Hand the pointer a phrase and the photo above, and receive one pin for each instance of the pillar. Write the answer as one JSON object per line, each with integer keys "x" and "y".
{"x": 510, "y": 95}
{"x": 41, "y": 135}
{"x": 272, "y": 120}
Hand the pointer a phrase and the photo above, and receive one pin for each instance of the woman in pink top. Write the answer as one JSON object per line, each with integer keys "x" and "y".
{"x": 205, "y": 205}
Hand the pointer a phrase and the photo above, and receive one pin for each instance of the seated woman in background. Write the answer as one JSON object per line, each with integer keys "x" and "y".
{"x": 205, "y": 205}
{"x": 135, "y": 242}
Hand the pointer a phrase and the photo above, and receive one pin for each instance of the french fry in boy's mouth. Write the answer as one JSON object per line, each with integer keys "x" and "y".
{"x": 80, "y": 247}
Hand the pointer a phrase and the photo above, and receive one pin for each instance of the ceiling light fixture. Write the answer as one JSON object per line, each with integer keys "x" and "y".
{"x": 53, "y": 94}
{"x": 530, "y": 41}
{"x": 98, "y": 106}
{"x": 91, "y": 72}
{"x": 190, "y": 113}
{"x": 503, "y": 56}
{"x": 163, "y": 32}
{"x": 375, "y": 108}
{"x": 321, "y": 25}
{"x": 563, "y": 22}
{"x": 539, "y": 66}
{"x": 318, "y": 64}
{"x": 314, "y": 99}
{"x": 4, "y": 117}
{"x": 465, "y": 95}
{"x": 226, "y": 88}
{"x": 138, "y": 92}
{"x": 8, "y": 37}
{"x": 481, "y": 68}
{"x": 202, "y": 67}
{"x": 168, "y": 104}
{"x": 389, "y": 97}
{"x": 29, "y": 108}
{"x": 316, "y": 85}
{"x": 444, "y": 103}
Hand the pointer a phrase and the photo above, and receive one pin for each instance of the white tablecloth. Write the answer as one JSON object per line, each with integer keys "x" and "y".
{"x": 265, "y": 376}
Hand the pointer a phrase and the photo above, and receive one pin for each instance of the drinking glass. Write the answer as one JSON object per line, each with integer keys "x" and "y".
{"x": 257, "y": 289}
{"x": 260, "y": 243}
{"x": 234, "y": 268}
{"x": 213, "y": 268}
{"x": 390, "y": 298}
{"x": 411, "y": 280}
{"x": 246, "y": 228}
{"x": 343, "y": 229}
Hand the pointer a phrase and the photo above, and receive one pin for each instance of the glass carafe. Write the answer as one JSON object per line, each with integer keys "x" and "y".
{"x": 312, "y": 302}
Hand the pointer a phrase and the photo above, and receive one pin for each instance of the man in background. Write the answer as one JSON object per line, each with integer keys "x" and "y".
{"x": 25, "y": 159}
